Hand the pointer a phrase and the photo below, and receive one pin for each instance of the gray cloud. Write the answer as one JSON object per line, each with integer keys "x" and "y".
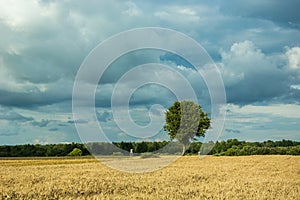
{"x": 50, "y": 53}
{"x": 10, "y": 115}
{"x": 283, "y": 12}
{"x": 43, "y": 44}
{"x": 104, "y": 116}
{"x": 128, "y": 61}
{"x": 232, "y": 130}
{"x": 42, "y": 123}
{"x": 38, "y": 95}
{"x": 252, "y": 76}
{"x": 79, "y": 121}
{"x": 53, "y": 129}
{"x": 9, "y": 133}
{"x": 9, "y": 129}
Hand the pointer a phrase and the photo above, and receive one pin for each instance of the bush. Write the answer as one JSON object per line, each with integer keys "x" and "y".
{"x": 75, "y": 152}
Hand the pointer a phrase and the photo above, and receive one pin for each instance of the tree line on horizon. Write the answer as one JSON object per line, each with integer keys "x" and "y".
{"x": 231, "y": 147}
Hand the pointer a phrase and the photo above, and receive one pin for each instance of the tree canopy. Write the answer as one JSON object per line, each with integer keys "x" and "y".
{"x": 185, "y": 120}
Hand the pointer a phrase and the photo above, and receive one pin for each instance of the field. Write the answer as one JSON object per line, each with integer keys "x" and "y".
{"x": 249, "y": 177}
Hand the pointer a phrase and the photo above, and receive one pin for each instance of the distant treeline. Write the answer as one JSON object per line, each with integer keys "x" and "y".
{"x": 231, "y": 147}
{"x": 41, "y": 150}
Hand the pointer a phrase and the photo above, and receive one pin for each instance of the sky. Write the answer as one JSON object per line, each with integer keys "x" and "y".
{"x": 254, "y": 44}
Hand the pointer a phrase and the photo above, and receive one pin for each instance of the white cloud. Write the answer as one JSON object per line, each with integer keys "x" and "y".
{"x": 275, "y": 110}
{"x": 262, "y": 122}
{"x": 178, "y": 14}
{"x": 133, "y": 9}
{"x": 20, "y": 15}
{"x": 39, "y": 141}
{"x": 245, "y": 57}
{"x": 250, "y": 75}
{"x": 187, "y": 11}
{"x": 296, "y": 87}
{"x": 242, "y": 58}
{"x": 293, "y": 56}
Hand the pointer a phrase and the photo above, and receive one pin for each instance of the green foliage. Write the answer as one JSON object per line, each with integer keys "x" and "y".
{"x": 194, "y": 148}
{"x": 185, "y": 120}
{"x": 41, "y": 150}
{"x": 75, "y": 152}
{"x": 140, "y": 147}
{"x": 231, "y": 147}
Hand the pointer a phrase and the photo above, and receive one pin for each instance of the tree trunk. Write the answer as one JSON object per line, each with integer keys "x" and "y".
{"x": 183, "y": 149}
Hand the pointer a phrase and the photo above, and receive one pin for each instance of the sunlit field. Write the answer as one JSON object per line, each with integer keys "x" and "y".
{"x": 249, "y": 177}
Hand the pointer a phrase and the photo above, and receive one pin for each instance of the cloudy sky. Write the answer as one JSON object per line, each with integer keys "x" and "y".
{"x": 255, "y": 45}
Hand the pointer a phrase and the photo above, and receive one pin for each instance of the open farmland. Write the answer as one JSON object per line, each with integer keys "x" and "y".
{"x": 249, "y": 177}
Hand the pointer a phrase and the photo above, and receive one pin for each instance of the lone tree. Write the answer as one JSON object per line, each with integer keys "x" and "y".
{"x": 184, "y": 121}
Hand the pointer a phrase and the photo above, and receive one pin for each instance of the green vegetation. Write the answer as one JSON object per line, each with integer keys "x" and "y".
{"x": 231, "y": 147}
{"x": 185, "y": 120}
{"x": 234, "y": 147}
{"x": 41, "y": 150}
{"x": 75, "y": 152}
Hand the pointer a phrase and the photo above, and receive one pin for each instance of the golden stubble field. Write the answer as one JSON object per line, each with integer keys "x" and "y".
{"x": 249, "y": 177}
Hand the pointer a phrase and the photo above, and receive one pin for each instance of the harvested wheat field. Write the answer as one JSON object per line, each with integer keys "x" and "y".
{"x": 249, "y": 177}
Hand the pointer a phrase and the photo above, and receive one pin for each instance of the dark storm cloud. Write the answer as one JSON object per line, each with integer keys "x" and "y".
{"x": 283, "y": 12}
{"x": 30, "y": 99}
{"x": 257, "y": 88}
{"x": 52, "y": 54}
{"x": 124, "y": 63}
